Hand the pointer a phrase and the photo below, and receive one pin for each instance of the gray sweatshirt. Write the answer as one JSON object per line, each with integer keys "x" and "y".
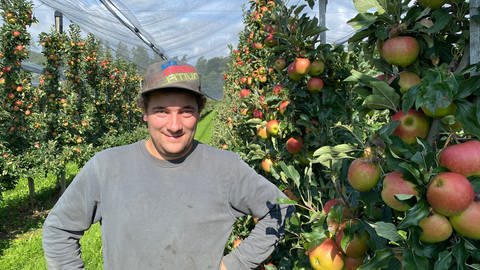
{"x": 159, "y": 214}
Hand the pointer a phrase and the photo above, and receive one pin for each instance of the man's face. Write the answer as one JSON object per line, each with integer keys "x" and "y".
{"x": 172, "y": 119}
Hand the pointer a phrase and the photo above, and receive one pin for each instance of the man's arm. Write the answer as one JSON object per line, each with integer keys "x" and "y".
{"x": 74, "y": 212}
{"x": 253, "y": 194}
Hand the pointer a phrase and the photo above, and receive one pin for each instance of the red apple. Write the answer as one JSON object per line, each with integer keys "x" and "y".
{"x": 270, "y": 40}
{"x": 462, "y": 158}
{"x": 363, "y": 174}
{"x": 450, "y": 193}
{"x": 266, "y": 165}
{"x": 277, "y": 89}
{"x": 262, "y": 132}
{"x": 316, "y": 68}
{"x": 352, "y": 263}
{"x": 407, "y": 80}
{"x": 314, "y": 85}
{"x": 412, "y": 125}
{"x": 273, "y": 127}
{"x": 292, "y": 73}
{"x": 294, "y": 145}
{"x": 401, "y": 50}
{"x": 435, "y": 228}
{"x": 283, "y": 106}
{"x": 328, "y": 204}
{"x": 337, "y": 213}
{"x": 433, "y": 4}
{"x": 326, "y": 256}
{"x": 301, "y": 65}
{"x": 244, "y": 93}
{"x": 467, "y": 223}
{"x": 394, "y": 183}
{"x": 357, "y": 245}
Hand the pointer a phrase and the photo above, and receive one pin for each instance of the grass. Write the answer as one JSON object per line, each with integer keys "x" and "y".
{"x": 20, "y": 225}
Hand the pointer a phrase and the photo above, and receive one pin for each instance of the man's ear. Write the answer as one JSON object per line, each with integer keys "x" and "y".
{"x": 144, "y": 117}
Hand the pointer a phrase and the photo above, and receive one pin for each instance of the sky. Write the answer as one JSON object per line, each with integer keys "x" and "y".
{"x": 192, "y": 28}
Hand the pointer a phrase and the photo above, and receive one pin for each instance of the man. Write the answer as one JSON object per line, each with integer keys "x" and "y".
{"x": 168, "y": 202}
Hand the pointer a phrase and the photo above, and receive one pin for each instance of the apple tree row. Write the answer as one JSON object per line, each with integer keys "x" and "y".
{"x": 353, "y": 135}
{"x": 84, "y": 95}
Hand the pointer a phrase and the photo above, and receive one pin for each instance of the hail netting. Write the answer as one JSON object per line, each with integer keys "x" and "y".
{"x": 170, "y": 26}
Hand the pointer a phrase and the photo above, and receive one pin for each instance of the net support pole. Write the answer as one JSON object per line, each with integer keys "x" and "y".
{"x": 322, "y": 15}
{"x": 58, "y": 21}
{"x": 474, "y": 32}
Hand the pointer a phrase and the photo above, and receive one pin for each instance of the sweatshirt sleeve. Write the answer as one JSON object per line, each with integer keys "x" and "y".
{"x": 75, "y": 211}
{"x": 253, "y": 194}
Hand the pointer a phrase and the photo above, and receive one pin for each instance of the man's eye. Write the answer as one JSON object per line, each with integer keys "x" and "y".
{"x": 160, "y": 112}
{"x": 187, "y": 113}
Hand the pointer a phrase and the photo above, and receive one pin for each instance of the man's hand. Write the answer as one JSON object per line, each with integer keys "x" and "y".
{"x": 222, "y": 266}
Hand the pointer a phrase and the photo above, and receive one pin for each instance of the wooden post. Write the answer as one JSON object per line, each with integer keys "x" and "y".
{"x": 322, "y": 14}
{"x": 474, "y": 32}
{"x": 31, "y": 192}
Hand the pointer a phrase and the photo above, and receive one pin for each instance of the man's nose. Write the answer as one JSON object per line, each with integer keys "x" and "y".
{"x": 175, "y": 123}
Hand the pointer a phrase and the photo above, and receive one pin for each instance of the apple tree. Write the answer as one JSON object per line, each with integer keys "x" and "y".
{"x": 289, "y": 113}
{"x": 421, "y": 78}
{"x": 18, "y": 104}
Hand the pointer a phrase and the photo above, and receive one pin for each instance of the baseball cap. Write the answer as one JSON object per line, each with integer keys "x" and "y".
{"x": 171, "y": 74}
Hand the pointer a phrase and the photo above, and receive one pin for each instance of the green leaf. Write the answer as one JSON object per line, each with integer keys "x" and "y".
{"x": 311, "y": 3}
{"x": 381, "y": 260}
{"x": 376, "y": 102}
{"x": 415, "y": 214}
{"x": 381, "y": 88}
{"x": 387, "y": 231}
{"x": 460, "y": 254}
{"x": 468, "y": 114}
{"x": 363, "y": 6}
{"x": 291, "y": 173}
{"x": 444, "y": 260}
{"x": 468, "y": 87}
{"x": 441, "y": 18}
{"x": 286, "y": 201}
{"x": 327, "y": 154}
{"x": 362, "y": 21}
{"x": 414, "y": 261}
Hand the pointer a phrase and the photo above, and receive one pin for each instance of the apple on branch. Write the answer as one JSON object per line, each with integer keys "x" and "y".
{"x": 413, "y": 124}
{"x": 395, "y": 184}
{"x": 463, "y": 158}
{"x": 325, "y": 256}
{"x": 266, "y": 165}
{"x": 314, "y": 85}
{"x": 435, "y": 228}
{"x": 356, "y": 245}
{"x": 363, "y": 174}
{"x": 467, "y": 223}
{"x": 316, "y": 67}
{"x": 400, "y": 50}
{"x": 407, "y": 80}
{"x": 450, "y": 193}
{"x": 294, "y": 145}
{"x": 262, "y": 132}
{"x": 273, "y": 127}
